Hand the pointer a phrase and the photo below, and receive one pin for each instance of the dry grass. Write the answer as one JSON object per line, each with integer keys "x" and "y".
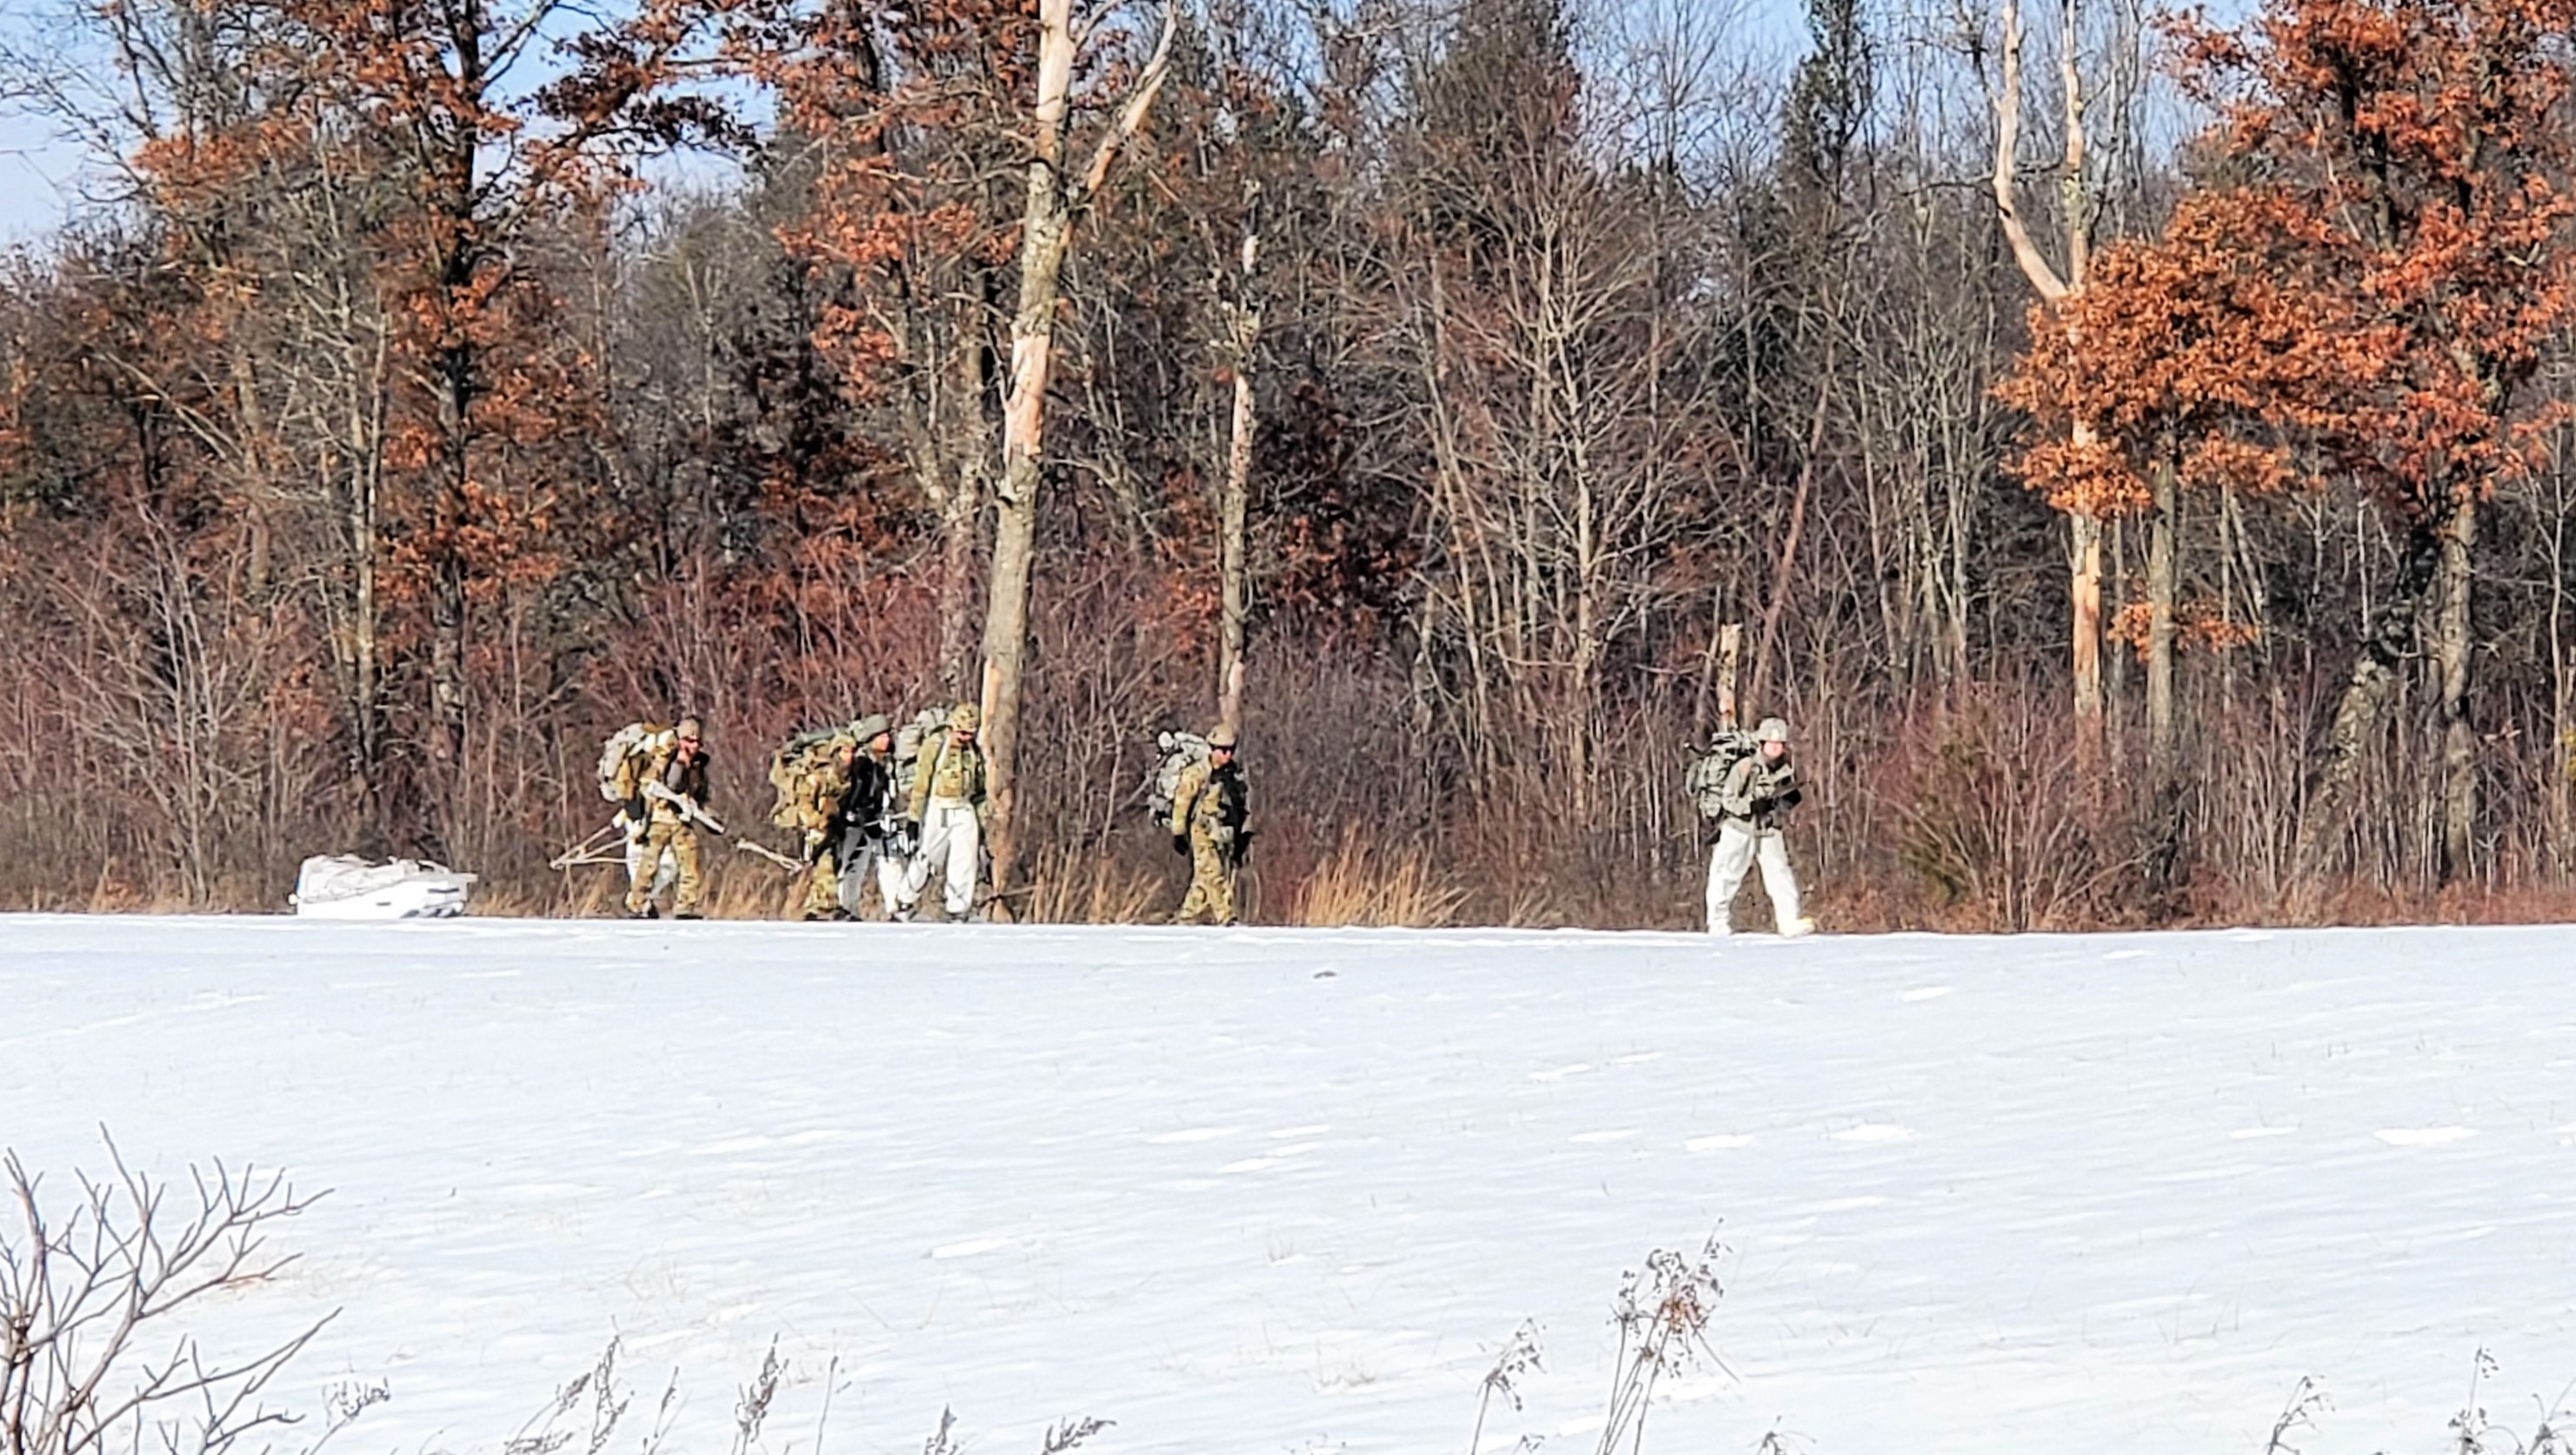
{"x": 1075, "y": 888}
{"x": 1360, "y": 884}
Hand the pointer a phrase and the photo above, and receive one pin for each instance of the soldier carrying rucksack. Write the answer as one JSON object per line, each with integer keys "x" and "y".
{"x": 811, "y": 773}
{"x": 671, "y": 798}
{"x": 948, "y": 801}
{"x": 1747, "y": 785}
{"x": 1210, "y": 822}
{"x": 873, "y": 832}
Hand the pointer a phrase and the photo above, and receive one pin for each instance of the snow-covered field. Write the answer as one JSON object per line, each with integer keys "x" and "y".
{"x": 1272, "y": 1191}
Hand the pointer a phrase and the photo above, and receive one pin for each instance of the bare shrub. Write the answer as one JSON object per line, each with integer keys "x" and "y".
{"x": 93, "y": 1357}
{"x": 1662, "y": 1315}
{"x": 1992, "y": 821}
{"x": 1518, "y": 1357}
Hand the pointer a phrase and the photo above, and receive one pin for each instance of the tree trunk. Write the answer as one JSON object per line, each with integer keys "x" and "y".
{"x": 2084, "y": 590}
{"x": 1046, "y": 229}
{"x": 2562, "y": 694}
{"x": 1232, "y": 509}
{"x": 1243, "y": 325}
{"x": 2164, "y": 775}
{"x": 1783, "y": 568}
{"x": 2335, "y": 775}
{"x": 2452, "y": 656}
{"x": 1006, "y": 604}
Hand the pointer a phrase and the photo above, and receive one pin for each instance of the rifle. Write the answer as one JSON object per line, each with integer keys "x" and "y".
{"x": 695, "y": 812}
{"x": 687, "y": 808}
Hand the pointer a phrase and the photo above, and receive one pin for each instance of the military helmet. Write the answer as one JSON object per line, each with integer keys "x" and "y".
{"x": 965, "y": 717}
{"x": 1772, "y": 730}
{"x": 1222, "y": 736}
{"x": 688, "y": 728}
{"x": 869, "y": 728}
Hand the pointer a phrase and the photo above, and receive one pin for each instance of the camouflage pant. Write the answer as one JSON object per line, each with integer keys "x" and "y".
{"x": 823, "y": 885}
{"x": 681, "y": 838}
{"x": 1211, "y": 884}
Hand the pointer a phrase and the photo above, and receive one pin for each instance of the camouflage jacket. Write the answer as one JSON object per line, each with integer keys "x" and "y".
{"x": 683, "y": 774}
{"x": 1759, "y": 792}
{"x": 945, "y": 770}
{"x": 1211, "y": 802}
{"x": 818, "y": 798}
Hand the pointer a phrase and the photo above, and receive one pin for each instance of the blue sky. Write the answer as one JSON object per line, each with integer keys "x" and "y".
{"x": 38, "y": 176}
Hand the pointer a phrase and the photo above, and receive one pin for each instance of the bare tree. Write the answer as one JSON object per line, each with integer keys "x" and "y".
{"x": 2082, "y": 184}
{"x": 93, "y": 1360}
{"x": 1056, "y": 196}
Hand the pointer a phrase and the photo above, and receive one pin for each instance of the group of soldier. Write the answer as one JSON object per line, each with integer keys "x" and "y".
{"x": 859, "y": 823}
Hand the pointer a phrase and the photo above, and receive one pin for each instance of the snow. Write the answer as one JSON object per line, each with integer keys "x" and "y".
{"x": 1269, "y": 1191}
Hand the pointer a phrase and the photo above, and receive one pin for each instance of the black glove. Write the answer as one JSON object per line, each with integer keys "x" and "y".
{"x": 1763, "y": 806}
{"x": 1792, "y": 798}
{"x": 1181, "y": 845}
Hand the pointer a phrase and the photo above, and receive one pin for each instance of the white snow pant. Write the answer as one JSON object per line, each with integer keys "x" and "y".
{"x": 1740, "y": 847}
{"x": 952, "y": 838}
{"x": 894, "y": 876}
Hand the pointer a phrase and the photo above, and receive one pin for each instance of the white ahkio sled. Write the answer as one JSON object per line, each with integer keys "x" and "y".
{"x": 344, "y": 886}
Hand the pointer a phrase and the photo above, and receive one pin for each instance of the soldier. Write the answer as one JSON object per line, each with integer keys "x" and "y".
{"x": 871, "y": 830}
{"x": 948, "y": 803}
{"x": 816, "y": 809}
{"x": 1759, "y": 791}
{"x": 1210, "y": 808}
{"x": 674, "y": 791}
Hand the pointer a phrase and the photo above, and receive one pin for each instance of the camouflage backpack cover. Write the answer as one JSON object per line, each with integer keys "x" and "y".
{"x": 625, "y": 756}
{"x": 1705, "y": 780}
{"x": 799, "y": 762}
{"x": 1177, "y": 753}
{"x": 925, "y": 727}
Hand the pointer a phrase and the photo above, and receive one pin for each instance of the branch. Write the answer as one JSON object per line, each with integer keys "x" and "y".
{"x": 1131, "y": 117}
{"x": 2034, "y": 265}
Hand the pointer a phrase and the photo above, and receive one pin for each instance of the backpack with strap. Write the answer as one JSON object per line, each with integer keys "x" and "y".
{"x": 624, "y": 758}
{"x": 1179, "y": 752}
{"x": 1705, "y": 780}
{"x": 926, "y": 728}
{"x": 798, "y": 763}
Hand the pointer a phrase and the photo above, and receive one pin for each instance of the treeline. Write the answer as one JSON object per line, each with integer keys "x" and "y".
{"x": 1441, "y": 375}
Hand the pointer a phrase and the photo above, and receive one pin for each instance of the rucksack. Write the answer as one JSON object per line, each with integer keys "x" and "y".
{"x": 1179, "y": 753}
{"x": 925, "y": 727}
{"x": 1705, "y": 780}
{"x": 798, "y": 762}
{"x": 625, "y": 756}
